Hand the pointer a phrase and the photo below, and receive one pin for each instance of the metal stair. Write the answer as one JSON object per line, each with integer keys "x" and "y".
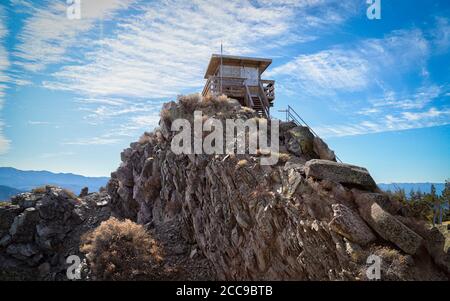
{"x": 292, "y": 115}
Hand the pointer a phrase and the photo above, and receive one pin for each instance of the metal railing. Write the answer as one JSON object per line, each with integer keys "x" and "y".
{"x": 292, "y": 115}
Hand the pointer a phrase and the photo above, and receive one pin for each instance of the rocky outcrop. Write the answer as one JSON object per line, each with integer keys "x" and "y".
{"x": 228, "y": 217}
{"x": 39, "y": 230}
{"x": 345, "y": 174}
{"x": 297, "y": 220}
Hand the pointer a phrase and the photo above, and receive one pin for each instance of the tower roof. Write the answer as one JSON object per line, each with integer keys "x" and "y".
{"x": 232, "y": 60}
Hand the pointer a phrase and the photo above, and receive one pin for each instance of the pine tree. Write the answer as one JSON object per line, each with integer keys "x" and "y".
{"x": 446, "y": 198}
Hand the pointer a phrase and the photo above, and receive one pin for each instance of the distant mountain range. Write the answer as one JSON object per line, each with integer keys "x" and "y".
{"x": 423, "y": 187}
{"x": 7, "y": 192}
{"x": 12, "y": 180}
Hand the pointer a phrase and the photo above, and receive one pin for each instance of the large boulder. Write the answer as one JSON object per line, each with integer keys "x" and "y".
{"x": 387, "y": 226}
{"x": 345, "y": 174}
{"x": 300, "y": 141}
{"x": 349, "y": 224}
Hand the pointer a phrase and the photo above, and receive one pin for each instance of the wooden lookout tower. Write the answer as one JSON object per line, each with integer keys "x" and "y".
{"x": 239, "y": 77}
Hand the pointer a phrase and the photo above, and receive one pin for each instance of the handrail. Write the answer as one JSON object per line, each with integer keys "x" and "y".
{"x": 265, "y": 101}
{"x": 263, "y": 93}
{"x": 207, "y": 87}
{"x": 291, "y": 115}
{"x": 249, "y": 97}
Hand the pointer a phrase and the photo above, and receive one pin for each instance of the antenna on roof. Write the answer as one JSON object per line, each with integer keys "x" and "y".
{"x": 221, "y": 62}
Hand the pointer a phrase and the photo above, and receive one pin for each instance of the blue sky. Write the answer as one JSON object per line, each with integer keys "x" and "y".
{"x": 75, "y": 93}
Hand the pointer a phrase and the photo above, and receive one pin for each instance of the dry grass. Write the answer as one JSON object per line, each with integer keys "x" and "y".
{"x": 241, "y": 164}
{"x": 121, "y": 250}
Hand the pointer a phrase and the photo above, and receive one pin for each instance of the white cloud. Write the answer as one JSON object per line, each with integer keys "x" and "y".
{"x": 349, "y": 68}
{"x": 93, "y": 141}
{"x": 31, "y": 122}
{"x": 164, "y": 50}
{"x": 389, "y": 122}
{"x": 48, "y": 33}
{"x": 441, "y": 34}
{"x": 431, "y": 113}
{"x": 417, "y": 100}
{"x": 56, "y": 155}
{"x": 327, "y": 72}
{"x": 5, "y": 143}
{"x": 4, "y": 78}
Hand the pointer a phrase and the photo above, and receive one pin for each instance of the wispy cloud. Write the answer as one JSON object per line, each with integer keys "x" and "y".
{"x": 162, "y": 51}
{"x": 389, "y": 122}
{"x": 93, "y": 141}
{"x": 56, "y": 155}
{"x": 4, "y": 142}
{"x": 4, "y": 78}
{"x": 47, "y": 34}
{"x": 326, "y": 72}
{"x": 349, "y": 68}
{"x": 417, "y": 100}
{"x": 31, "y": 122}
{"x": 441, "y": 34}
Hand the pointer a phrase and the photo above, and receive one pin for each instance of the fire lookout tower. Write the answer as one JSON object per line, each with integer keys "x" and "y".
{"x": 239, "y": 77}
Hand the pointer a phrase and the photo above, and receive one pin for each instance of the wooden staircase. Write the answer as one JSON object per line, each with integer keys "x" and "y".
{"x": 258, "y": 106}
{"x": 257, "y": 103}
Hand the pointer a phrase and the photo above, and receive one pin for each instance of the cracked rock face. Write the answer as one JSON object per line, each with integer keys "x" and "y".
{"x": 297, "y": 220}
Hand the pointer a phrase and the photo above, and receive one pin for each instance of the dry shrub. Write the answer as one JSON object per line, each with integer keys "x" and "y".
{"x": 217, "y": 102}
{"x": 145, "y": 138}
{"x": 70, "y": 194}
{"x": 189, "y": 102}
{"x": 44, "y": 189}
{"x": 208, "y": 98}
{"x": 165, "y": 114}
{"x": 39, "y": 190}
{"x": 121, "y": 250}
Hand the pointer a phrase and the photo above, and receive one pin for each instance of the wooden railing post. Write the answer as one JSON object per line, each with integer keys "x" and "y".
{"x": 250, "y": 103}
